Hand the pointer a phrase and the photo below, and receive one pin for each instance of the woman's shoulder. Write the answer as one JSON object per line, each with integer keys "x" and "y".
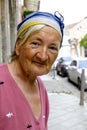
{"x": 3, "y": 66}
{"x": 3, "y": 70}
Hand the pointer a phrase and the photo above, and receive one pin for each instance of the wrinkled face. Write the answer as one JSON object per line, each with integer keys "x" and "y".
{"x": 39, "y": 52}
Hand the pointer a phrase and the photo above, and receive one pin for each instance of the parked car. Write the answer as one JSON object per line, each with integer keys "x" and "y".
{"x": 75, "y": 71}
{"x": 62, "y": 65}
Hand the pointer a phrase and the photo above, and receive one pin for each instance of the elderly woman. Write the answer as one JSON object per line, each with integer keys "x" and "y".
{"x": 24, "y": 101}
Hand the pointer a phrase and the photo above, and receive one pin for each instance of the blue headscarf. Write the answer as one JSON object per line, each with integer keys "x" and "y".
{"x": 55, "y": 21}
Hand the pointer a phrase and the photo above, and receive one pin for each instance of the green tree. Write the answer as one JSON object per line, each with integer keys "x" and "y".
{"x": 83, "y": 41}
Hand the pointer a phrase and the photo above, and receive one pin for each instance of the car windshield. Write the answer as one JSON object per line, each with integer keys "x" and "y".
{"x": 82, "y": 64}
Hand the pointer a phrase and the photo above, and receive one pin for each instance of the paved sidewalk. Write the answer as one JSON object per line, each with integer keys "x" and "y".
{"x": 65, "y": 111}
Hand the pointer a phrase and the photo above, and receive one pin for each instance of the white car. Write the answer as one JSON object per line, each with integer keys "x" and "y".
{"x": 75, "y": 71}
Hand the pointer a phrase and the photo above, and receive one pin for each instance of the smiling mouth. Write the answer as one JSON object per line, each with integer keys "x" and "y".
{"x": 40, "y": 63}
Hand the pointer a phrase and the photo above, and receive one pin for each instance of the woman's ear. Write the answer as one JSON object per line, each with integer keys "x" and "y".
{"x": 17, "y": 47}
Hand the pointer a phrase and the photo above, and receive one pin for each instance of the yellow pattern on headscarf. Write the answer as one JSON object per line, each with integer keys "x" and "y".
{"x": 27, "y": 26}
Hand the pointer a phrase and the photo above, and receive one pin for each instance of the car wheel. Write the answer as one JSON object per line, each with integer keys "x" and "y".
{"x": 79, "y": 83}
{"x": 62, "y": 72}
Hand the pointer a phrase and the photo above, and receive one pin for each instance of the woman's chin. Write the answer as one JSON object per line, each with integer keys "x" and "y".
{"x": 43, "y": 73}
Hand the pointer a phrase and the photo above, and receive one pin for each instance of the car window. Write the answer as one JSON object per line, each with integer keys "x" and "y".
{"x": 67, "y": 59}
{"x": 82, "y": 64}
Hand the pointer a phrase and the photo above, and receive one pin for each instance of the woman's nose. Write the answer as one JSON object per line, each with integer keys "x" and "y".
{"x": 43, "y": 55}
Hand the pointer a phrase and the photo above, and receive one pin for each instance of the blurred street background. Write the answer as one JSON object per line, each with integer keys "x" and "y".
{"x": 66, "y": 112}
{"x": 61, "y": 85}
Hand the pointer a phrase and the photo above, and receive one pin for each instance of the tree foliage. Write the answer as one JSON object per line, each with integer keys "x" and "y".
{"x": 83, "y": 41}
{"x": 27, "y": 12}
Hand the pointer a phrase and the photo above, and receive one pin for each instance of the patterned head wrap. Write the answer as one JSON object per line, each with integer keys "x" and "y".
{"x": 45, "y": 18}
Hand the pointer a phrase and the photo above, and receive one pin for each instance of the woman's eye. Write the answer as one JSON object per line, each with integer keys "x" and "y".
{"x": 54, "y": 48}
{"x": 35, "y": 44}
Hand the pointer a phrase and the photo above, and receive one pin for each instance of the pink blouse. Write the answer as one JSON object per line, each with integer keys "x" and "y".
{"x": 15, "y": 111}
